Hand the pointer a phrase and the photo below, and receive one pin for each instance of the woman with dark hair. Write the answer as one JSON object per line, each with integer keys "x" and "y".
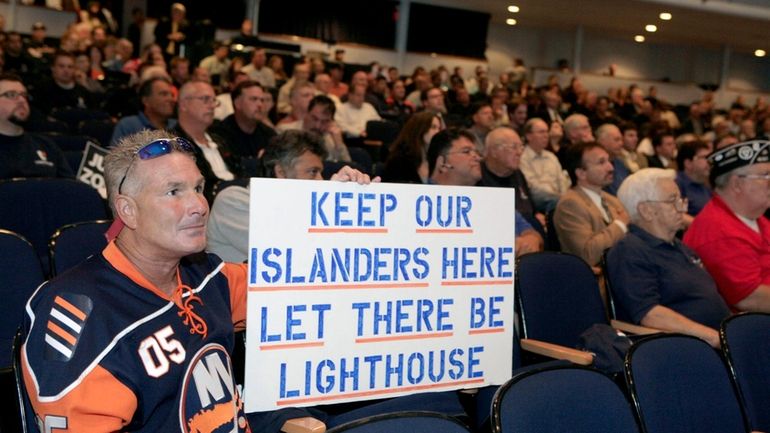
{"x": 406, "y": 162}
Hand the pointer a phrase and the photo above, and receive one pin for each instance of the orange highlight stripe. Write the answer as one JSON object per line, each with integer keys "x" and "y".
{"x": 338, "y": 287}
{"x": 486, "y": 331}
{"x": 345, "y": 230}
{"x": 279, "y": 346}
{"x": 404, "y": 337}
{"x": 376, "y": 392}
{"x": 478, "y": 283}
{"x": 444, "y": 231}
{"x": 62, "y": 333}
{"x": 71, "y": 308}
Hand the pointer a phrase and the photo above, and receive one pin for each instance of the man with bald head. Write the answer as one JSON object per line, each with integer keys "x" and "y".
{"x": 609, "y": 136}
{"x": 500, "y": 168}
{"x": 300, "y": 75}
{"x": 731, "y": 233}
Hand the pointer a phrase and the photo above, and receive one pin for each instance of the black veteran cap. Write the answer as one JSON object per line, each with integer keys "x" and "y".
{"x": 738, "y": 155}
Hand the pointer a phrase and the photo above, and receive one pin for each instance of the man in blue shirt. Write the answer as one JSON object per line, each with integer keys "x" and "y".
{"x": 656, "y": 280}
{"x": 158, "y": 102}
{"x": 692, "y": 177}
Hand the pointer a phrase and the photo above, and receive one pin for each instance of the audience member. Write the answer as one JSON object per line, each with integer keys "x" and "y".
{"x": 633, "y": 160}
{"x": 301, "y": 75}
{"x": 588, "y": 220}
{"x": 299, "y": 98}
{"x": 610, "y": 138}
{"x": 243, "y": 131}
{"x": 406, "y": 161}
{"x": 453, "y": 160}
{"x": 158, "y": 106}
{"x": 483, "y": 121}
{"x": 196, "y": 113}
{"x": 23, "y": 154}
{"x": 545, "y": 176}
{"x": 731, "y": 233}
{"x": 258, "y": 70}
{"x": 693, "y": 175}
{"x": 354, "y": 114}
{"x": 171, "y": 34}
{"x": 217, "y": 64}
{"x": 320, "y": 119}
{"x": 290, "y": 155}
{"x": 62, "y": 91}
{"x": 656, "y": 280}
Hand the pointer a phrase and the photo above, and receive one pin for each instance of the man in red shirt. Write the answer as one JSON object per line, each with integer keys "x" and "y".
{"x": 731, "y": 234}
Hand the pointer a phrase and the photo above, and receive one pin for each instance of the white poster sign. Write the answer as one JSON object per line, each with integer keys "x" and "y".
{"x": 372, "y": 291}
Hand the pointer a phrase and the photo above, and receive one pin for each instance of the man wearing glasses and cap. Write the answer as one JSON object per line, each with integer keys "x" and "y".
{"x": 138, "y": 338}
{"x": 731, "y": 233}
{"x": 657, "y": 281}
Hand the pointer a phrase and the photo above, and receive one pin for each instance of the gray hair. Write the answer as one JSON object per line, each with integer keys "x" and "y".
{"x": 572, "y": 122}
{"x": 640, "y": 187}
{"x": 120, "y": 158}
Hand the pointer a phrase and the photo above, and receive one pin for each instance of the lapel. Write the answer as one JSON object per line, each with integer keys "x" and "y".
{"x": 596, "y": 216}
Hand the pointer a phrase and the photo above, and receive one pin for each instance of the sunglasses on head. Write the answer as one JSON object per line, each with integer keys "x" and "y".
{"x": 155, "y": 149}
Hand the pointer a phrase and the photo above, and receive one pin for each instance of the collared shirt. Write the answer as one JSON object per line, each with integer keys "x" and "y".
{"x": 735, "y": 255}
{"x": 646, "y": 271}
{"x": 697, "y": 194}
{"x": 545, "y": 176}
{"x": 516, "y": 181}
{"x": 210, "y": 151}
{"x": 133, "y": 124}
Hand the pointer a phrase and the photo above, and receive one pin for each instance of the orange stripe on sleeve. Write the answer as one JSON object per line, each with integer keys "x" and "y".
{"x": 100, "y": 403}
{"x": 62, "y": 333}
{"x": 236, "y": 277}
{"x": 71, "y": 308}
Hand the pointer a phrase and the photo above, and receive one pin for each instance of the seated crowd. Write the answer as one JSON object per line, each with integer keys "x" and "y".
{"x": 675, "y": 204}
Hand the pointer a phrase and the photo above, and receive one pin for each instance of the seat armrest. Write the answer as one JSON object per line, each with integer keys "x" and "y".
{"x": 373, "y": 142}
{"x": 633, "y": 329}
{"x": 303, "y": 425}
{"x": 557, "y": 352}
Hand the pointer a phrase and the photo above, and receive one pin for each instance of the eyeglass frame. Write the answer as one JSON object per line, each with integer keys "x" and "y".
{"x": 14, "y": 95}
{"x": 176, "y": 143}
{"x": 681, "y": 204}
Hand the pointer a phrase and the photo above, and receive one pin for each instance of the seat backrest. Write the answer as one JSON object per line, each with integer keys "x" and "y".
{"x": 403, "y": 422}
{"x": 746, "y": 346}
{"x": 40, "y": 206}
{"x": 550, "y": 399}
{"x": 100, "y": 129}
{"x": 679, "y": 383}
{"x": 73, "y": 243}
{"x": 385, "y": 131}
{"x": 69, "y": 142}
{"x": 558, "y": 297}
{"x": 20, "y": 275}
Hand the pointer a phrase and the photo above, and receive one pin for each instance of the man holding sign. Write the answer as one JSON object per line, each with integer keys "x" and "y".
{"x": 139, "y": 337}
{"x": 23, "y": 154}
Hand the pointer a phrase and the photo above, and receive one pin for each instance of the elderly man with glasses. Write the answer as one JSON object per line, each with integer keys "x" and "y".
{"x": 196, "y": 105}
{"x": 731, "y": 233}
{"x": 657, "y": 281}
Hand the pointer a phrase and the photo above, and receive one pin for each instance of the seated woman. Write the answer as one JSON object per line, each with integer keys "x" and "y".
{"x": 406, "y": 162}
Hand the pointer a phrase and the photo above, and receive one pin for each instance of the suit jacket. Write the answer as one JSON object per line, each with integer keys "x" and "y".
{"x": 581, "y": 228}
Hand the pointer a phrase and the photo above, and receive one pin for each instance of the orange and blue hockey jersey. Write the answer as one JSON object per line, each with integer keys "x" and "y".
{"x": 105, "y": 350}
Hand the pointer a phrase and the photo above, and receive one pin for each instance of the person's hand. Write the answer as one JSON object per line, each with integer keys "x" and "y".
{"x": 350, "y": 174}
{"x": 712, "y": 338}
{"x": 336, "y": 133}
{"x": 529, "y": 242}
{"x": 540, "y": 217}
{"x": 622, "y": 215}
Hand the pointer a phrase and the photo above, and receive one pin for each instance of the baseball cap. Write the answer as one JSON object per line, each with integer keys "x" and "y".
{"x": 738, "y": 155}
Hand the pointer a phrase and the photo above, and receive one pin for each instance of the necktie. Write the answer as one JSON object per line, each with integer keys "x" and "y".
{"x": 608, "y": 216}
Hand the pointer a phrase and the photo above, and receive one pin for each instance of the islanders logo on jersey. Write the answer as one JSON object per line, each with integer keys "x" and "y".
{"x": 210, "y": 400}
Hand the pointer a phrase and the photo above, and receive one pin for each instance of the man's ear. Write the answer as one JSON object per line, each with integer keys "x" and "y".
{"x": 645, "y": 211}
{"x": 280, "y": 173}
{"x": 440, "y": 163}
{"x": 126, "y": 210}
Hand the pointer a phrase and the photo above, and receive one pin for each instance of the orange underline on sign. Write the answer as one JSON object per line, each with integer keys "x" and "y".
{"x": 345, "y": 230}
{"x": 279, "y": 346}
{"x": 337, "y": 287}
{"x": 404, "y": 337}
{"x": 486, "y": 331}
{"x": 444, "y": 230}
{"x": 293, "y": 401}
{"x": 477, "y": 283}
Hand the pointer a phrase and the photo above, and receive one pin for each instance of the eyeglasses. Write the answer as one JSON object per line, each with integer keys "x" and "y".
{"x": 155, "y": 149}
{"x": 14, "y": 94}
{"x": 679, "y": 203}
{"x": 206, "y": 99}
{"x": 765, "y": 176}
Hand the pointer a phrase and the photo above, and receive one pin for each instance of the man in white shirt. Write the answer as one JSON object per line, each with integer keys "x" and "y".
{"x": 257, "y": 69}
{"x": 545, "y": 176}
{"x": 353, "y": 114}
